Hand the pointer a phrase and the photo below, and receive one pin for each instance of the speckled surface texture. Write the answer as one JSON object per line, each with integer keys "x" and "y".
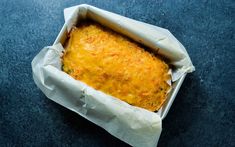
{"x": 203, "y": 113}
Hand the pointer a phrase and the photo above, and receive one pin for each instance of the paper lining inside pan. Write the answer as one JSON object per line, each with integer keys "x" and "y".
{"x": 135, "y": 126}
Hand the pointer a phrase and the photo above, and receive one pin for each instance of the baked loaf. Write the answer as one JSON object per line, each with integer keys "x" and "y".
{"x": 116, "y": 65}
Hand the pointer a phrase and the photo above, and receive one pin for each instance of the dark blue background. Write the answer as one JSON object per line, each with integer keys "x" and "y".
{"x": 203, "y": 113}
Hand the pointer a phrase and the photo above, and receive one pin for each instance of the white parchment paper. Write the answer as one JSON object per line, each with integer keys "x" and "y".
{"x": 133, "y": 125}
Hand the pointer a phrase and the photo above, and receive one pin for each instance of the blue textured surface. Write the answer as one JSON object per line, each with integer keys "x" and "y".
{"x": 203, "y": 113}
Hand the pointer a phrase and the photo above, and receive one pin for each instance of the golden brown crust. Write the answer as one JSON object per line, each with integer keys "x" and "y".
{"x": 117, "y": 66}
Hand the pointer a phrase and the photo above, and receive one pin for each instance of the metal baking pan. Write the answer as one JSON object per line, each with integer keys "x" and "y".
{"x": 62, "y": 37}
